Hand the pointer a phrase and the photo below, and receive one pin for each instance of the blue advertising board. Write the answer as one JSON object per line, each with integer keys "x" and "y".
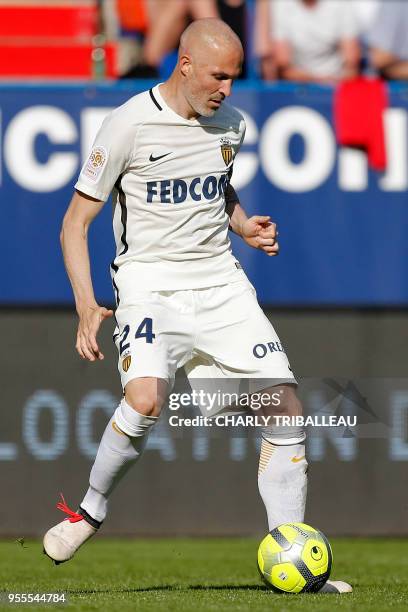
{"x": 342, "y": 227}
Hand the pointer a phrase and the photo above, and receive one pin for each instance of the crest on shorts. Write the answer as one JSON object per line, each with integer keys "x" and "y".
{"x": 126, "y": 362}
{"x": 226, "y": 150}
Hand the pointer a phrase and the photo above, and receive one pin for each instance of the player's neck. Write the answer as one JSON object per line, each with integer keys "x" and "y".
{"x": 173, "y": 97}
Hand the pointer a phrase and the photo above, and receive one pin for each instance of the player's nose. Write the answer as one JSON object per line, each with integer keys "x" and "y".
{"x": 226, "y": 88}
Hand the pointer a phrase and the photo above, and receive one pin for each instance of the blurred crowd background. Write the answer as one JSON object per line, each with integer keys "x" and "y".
{"x": 295, "y": 40}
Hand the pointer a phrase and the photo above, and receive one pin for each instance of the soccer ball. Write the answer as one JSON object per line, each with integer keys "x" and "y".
{"x": 295, "y": 558}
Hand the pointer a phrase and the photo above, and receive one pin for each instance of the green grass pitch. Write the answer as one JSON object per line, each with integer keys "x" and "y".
{"x": 199, "y": 574}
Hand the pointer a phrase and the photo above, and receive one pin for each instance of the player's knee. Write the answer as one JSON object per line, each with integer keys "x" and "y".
{"x": 146, "y": 395}
{"x": 284, "y": 402}
{"x": 286, "y": 431}
{"x": 290, "y": 404}
{"x": 143, "y": 403}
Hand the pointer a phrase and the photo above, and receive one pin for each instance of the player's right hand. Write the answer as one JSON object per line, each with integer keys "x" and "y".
{"x": 90, "y": 319}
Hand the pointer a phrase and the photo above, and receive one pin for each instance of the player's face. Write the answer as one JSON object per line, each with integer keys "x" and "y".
{"x": 210, "y": 80}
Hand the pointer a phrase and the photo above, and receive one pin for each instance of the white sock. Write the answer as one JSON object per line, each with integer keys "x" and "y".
{"x": 117, "y": 452}
{"x": 282, "y": 482}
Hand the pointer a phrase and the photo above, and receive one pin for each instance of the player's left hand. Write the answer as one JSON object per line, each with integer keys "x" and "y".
{"x": 260, "y": 233}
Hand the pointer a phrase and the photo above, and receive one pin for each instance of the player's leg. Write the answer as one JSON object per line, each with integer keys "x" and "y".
{"x": 282, "y": 472}
{"x": 121, "y": 446}
{"x": 150, "y": 349}
{"x": 123, "y": 441}
{"x": 261, "y": 358}
{"x": 230, "y": 317}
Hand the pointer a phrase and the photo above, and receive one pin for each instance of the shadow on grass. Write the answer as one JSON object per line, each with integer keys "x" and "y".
{"x": 175, "y": 588}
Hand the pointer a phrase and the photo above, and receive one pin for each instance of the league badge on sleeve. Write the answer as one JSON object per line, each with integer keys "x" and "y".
{"x": 96, "y": 163}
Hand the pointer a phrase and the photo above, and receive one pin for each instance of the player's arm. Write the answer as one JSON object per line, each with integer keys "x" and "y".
{"x": 351, "y": 55}
{"x": 81, "y": 212}
{"x": 258, "y": 231}
{"x": 287, "y": 70}
{"x": 388, "y": 64}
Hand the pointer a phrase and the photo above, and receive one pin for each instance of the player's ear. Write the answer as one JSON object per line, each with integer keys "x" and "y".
{"x": 185, "y": 65}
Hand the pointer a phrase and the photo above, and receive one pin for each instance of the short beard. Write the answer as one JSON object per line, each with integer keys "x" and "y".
{"x": 199, "y": 107}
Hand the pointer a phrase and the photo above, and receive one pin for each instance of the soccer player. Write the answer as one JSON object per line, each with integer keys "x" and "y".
{"x": 182, "y": 297}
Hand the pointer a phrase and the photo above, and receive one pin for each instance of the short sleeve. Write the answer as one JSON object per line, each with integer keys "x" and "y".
{"x": 109, "y": 157}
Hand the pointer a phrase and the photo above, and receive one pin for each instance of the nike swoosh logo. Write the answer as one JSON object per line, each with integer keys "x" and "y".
{"x": 297, "y": 459}
{"x": 153, "y": 159}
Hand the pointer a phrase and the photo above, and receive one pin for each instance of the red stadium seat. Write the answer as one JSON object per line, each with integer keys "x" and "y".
{"x": 51, "y": 41}
{"x": 59, "y": 61}
{"x": 78, "y": 21}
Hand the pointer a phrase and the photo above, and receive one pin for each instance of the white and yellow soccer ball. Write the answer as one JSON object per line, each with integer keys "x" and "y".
{"x": 295, "y": 558}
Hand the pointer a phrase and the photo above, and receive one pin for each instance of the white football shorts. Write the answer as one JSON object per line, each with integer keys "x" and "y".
{"x": 220, "y": 335}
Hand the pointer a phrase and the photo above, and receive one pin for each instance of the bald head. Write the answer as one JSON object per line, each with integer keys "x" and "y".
{"x": 210, "y": 59}
{"x": 205, "y": 35}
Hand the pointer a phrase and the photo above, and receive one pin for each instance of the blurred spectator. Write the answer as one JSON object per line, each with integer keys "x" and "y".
{"x": 263, "y": 42}
{"x": 314, "y": 40}
{"x": 388, "y": 40}
{"x": 233, "y": 12}
{"x": 365, "y": 12}
{"x": 162, "y": 23}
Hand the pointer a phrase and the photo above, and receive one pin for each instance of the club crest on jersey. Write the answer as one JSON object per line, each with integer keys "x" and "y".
{"x": 126, "y": 362}
{"x": 226, "y": 150}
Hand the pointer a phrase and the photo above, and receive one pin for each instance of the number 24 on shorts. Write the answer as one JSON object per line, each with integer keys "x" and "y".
{"x": 145, "y": 330}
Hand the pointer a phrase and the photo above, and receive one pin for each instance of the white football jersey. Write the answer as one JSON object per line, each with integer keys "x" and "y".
{"x": 168, "y": 175}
